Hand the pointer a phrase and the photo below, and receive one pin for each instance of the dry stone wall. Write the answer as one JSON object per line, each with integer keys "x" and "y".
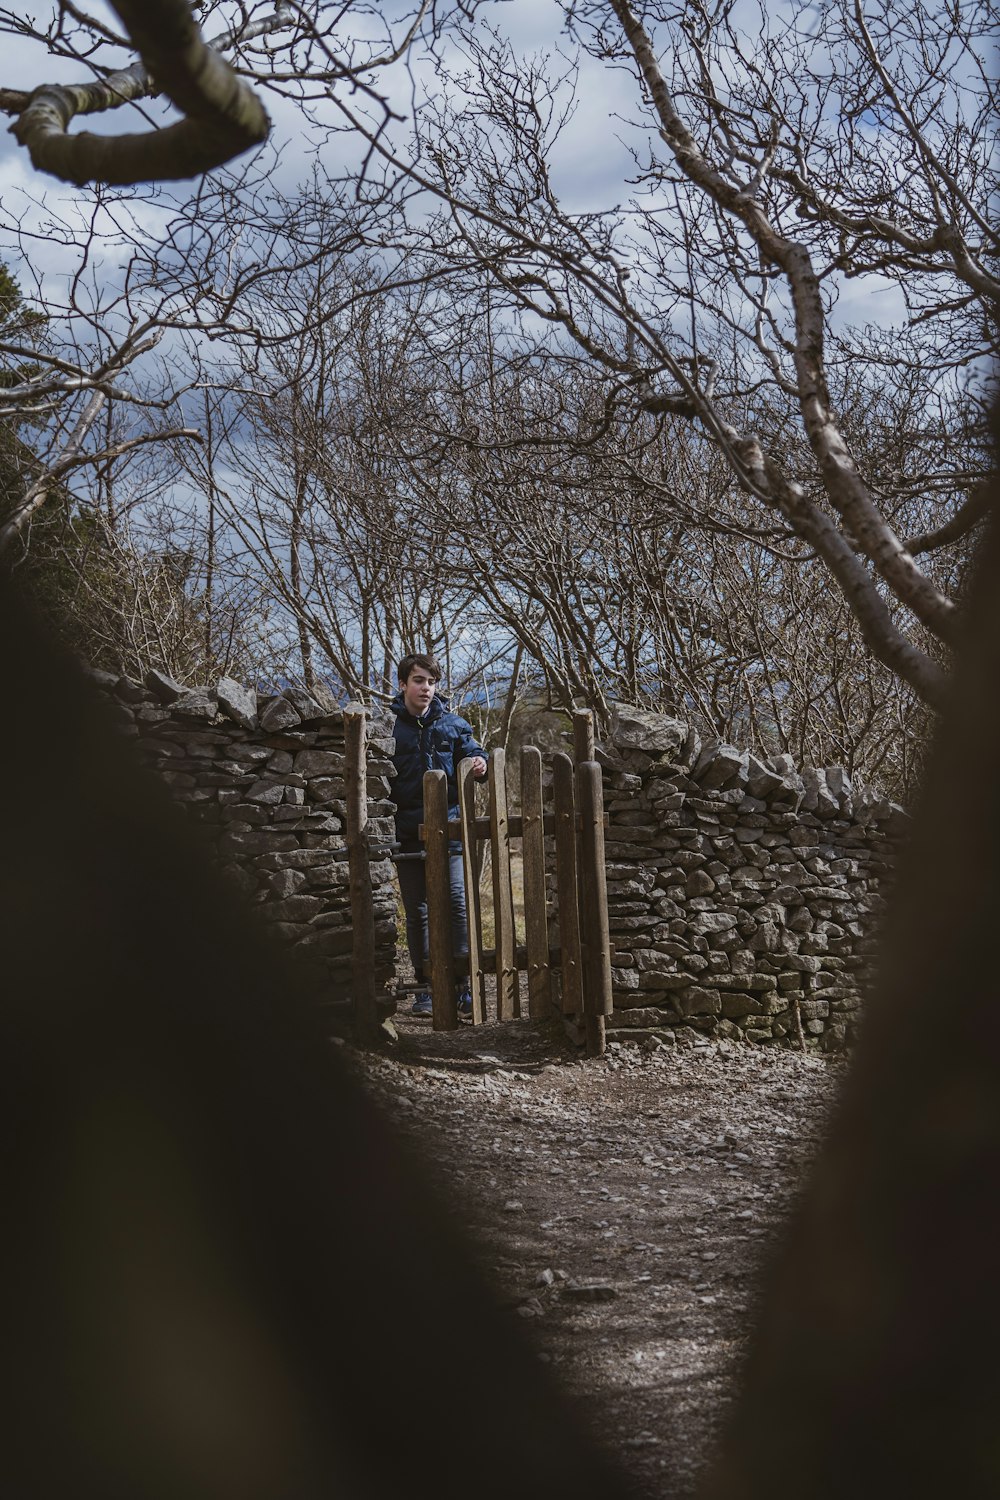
{"x": 744, "y": 893}
{"x": 263, "y": 778}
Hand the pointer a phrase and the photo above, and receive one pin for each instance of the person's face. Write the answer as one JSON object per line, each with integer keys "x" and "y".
{"x": 418, "y": 690}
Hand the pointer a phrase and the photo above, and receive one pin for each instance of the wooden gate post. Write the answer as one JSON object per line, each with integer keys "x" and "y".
{"x": 536, "y": 925}
{"x": 564, "y": 806}
{"x": 583, "y": 735}
{"x": 597, "y": 1001}
{"x": 582, "y": 753}
{"x": 362, "y": 903}
{"x": 508, "y": 992}
{"x": 435, "y": 836}
{"x": 471, "y": 867}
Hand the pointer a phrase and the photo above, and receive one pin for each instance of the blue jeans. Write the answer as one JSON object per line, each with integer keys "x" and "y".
{"x": 413, "y": 889}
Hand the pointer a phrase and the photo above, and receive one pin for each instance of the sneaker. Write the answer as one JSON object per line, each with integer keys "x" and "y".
{"x": 465, "y": 1005}
{"x": 422, "y": 1005}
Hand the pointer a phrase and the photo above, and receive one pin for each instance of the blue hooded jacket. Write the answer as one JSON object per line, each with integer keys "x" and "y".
{"x": 437, "y": 742}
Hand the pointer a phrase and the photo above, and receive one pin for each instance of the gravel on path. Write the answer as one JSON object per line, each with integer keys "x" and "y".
{"x": 622, "y": 1207}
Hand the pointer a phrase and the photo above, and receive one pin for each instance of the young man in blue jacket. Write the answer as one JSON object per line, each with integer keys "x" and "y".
{"x": 429, "y": 737}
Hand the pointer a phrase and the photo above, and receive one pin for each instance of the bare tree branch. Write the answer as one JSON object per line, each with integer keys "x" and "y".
{"x": 72, "y": 457}
{"x": 969, "y": 515}
{"x": 223, "y": 117}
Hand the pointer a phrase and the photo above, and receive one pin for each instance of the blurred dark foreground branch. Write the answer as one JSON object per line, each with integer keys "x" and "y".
{"x": 874, "y": 1370}
{"x": 223, "y": 116}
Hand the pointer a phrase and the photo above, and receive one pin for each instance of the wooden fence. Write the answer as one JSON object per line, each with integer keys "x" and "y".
{"x": 562, "y": 848}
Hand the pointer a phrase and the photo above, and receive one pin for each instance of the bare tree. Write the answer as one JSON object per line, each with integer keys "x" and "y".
{"x": 113, "y": 330}
{"x": 320, "y": 498}
{"x": 705, "y": 311}
{"x": 771, "y": 170}
{"x": 626, "y": 564}
{"x": 70, "y": 396}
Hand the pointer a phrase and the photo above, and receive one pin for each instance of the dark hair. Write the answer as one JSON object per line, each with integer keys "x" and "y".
{"x": 427, "y": 662}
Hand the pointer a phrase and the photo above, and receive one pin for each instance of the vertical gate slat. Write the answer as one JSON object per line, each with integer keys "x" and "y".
{"x": 597, "y": 1002}
{"x": 583, "y": 750}
{"x": 536, "y": 927}
{"x": 444, "y": 1003}
{"x": 564, "y": 805}
{"x": 508, "y": 997}
{"x": 583, "y": 754}
{"x": 362, "y": 902}
{"x": 470, "y": 866}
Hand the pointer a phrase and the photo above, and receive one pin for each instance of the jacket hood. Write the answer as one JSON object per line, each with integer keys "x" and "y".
{"x": 438, "y": 706}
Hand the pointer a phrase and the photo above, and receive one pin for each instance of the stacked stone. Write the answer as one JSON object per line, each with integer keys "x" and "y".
{"x": 263, "y": 777}
{"x": 743, "y": 892}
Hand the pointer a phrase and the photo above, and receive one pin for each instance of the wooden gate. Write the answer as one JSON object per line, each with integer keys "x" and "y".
{"x": 562, "y": 847}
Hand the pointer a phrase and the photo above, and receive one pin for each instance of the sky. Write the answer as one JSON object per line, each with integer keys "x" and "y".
{"x": 591, "y": 164}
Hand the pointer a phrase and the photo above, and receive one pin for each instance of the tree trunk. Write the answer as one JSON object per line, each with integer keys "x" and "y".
{"x": 874, "y": 1371}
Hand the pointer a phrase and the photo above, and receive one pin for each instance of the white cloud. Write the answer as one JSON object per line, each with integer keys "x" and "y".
{"x": 869, "y": 299}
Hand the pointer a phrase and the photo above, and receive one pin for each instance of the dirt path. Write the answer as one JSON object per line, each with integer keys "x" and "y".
{"x": 622, "y": 1206}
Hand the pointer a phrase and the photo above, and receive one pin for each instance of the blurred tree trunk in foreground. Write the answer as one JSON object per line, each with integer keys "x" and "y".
{"x": 874, "y": 1370}
{"x": 223, "y": 1274}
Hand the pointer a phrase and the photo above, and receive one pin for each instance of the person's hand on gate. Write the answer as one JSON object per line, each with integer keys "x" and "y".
{"x": 478, "y": 767}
